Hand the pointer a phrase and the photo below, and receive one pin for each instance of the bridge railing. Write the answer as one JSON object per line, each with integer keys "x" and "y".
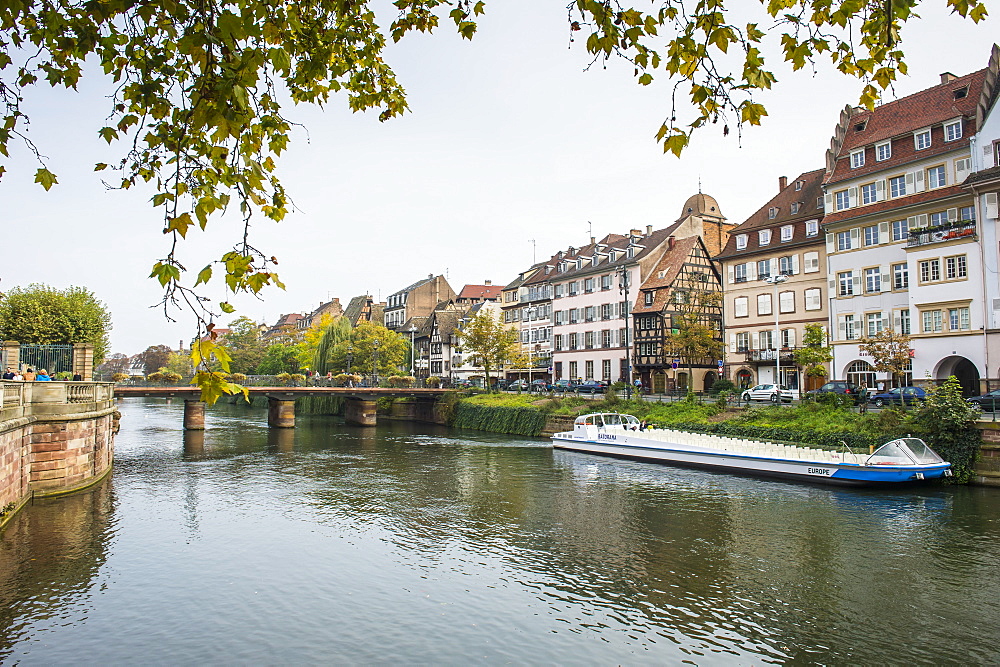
{"x": 27, "y": 398}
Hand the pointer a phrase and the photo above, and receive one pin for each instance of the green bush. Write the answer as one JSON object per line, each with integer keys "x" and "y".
{"x": 948, "y": 424}
{"x": 499, "y": 419}
{"x": 283, "y": 379}
{"x": 721, "y": 385}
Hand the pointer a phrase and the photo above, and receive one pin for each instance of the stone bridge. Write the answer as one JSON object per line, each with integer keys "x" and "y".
{"x": 359, "y": 407}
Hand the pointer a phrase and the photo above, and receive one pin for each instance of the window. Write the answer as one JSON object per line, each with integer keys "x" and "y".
{"x": 861, "y": 373}
{"x": 764, "y": 236}
{"x": 622, "y": 337}
{"x": 772, "y": 213}
{"x": 740, "y": 273}
{"x": 765, "y": 340}
{"x": 967, "y": 214}
{"x": 871, "y": 235}
{"x": 932, "y": 321}
{"x": 573, "y": 339}
{"x": 763, "y": 304}
{"x": 850, "y": 331}
{"x": 786, "y": 233}
{"x": 606, "y": 282}
{"x": 939, "y": 218}
{"x": 589, "y": 313}
{"x": 904, "y": 321}
{"x": 873, "y": 280}
{"x": 607, "y": 311}
{"x": 812, "y": 228}
{"x": 798, "y": 185}
{"x": 846, "y": 283}
{"x": 588, "y": 285}
{"x": 930, "y": 270}
{"x": 953, "y": 130}
{"x": 935, "y": 177}
{"x": 857, "y": 158}
{"x": 649, "y": 298}
{"x": 819, "y": 202}
{"x": 606, "y": 370}
{"x": 785, "y": 265}
{"x": 559, "y": 291}
{"x": 606, "y": 338}
{"x": 741, "y": 241}
{"x": 740, "y": 306}
{"x": 811, "y": 261}
{"x": 897, "y": 186}
{"x": 590, "y": 370}
{"x": 557, "y": 342}
{"x": 958, "y": 319}
{"x": 868, "y": 194}
{"x": 763, "y": 269}
{"x": 794, "y": 208}
{"x": 922, "y": 139}
{"x": 874, "y": 323}
{"x": 786, "y": 302}
{"x": 900, "y": 276}
{"x": 573, "y": 315}
{"x": 573, "y": 288}
{"x": 813, "y": 297}
{"x": 899, "y": 230}
{"x": 844, "y": 240}
{"x": 623, "y": 309}
{"x": 742, "y": 341}
{"x": 883, "y": 151}
{"x": 588, "y": 340}
{"x": 842, "y": 200}
{"x": 572, "y": 371}
{"x": 955, "y": 267}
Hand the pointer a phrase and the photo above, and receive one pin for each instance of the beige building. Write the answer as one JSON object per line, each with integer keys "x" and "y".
{"x": 774, "y": 272}
{"x": 417, "y": 300}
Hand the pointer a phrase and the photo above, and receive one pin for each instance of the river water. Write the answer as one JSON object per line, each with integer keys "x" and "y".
{"x": 413, "y": 543}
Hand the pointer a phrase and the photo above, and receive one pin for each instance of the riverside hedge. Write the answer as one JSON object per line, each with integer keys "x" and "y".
{"x": 499, "y": 419}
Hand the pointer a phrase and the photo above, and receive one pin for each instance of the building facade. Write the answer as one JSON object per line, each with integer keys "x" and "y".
{"x": 416, "y": 300}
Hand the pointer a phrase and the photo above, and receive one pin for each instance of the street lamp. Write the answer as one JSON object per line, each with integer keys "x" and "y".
{"x": 776, "y": 280}
{"x": 350, "y": 358}
{"x": 375, "y": 361}
{"x": 413, "y": 330}
{"x": 623, "y": 285}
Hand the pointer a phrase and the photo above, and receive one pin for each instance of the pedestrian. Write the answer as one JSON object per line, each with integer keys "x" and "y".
{"x": 77, "y": 377}
{"x": 29, "y": 375}
{"x": 42, "y": 376}
{"x": 18, "y": 377}
{"x": 9, "y": 374}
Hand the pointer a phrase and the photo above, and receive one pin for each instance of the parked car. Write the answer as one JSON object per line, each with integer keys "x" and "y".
{"x": 898, "y": 396}
{"x": 988, "y": 401}
{"x": 540, "y": 385}
{"x": 592, "y": 387}
{"x": 769, "y": 392}
{"x": 839, "y": 387}
{"x": 518, "y": 385}
{"x": 561, "y": 386}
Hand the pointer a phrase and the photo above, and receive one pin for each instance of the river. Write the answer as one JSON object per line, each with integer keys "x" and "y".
{"x": 413, "y": 543}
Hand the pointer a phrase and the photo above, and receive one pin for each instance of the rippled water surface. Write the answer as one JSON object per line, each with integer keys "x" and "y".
{"x": 412, "y": 543}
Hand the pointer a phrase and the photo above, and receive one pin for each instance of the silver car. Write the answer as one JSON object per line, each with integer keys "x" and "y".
{"x": 769, "y": 392}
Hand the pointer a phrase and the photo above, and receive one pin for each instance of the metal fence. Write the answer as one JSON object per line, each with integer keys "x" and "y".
{"x": 53, "y": 358}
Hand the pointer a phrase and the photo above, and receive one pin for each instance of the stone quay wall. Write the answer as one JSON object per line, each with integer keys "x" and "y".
{"x": 55, "y": 438}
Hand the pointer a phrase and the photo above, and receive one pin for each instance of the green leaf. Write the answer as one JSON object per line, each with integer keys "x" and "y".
{"x": 225, "y": 306}
{"x": 204, "y": 275}
{"x": 45, "y": 177}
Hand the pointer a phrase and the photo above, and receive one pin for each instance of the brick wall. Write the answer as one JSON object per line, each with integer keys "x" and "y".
{"x": 13, "y": 458}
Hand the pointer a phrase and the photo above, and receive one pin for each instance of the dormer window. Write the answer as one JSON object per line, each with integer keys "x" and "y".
{"x": 579, "y": 264}
{"x": 764, "y": 237}
{"x": 819, "y": 202}
{"x": 798, "y": 185}
{"x": 741, "y": 241}
{"x": 883, "y": 151}
{"x": 649, "y": 298}
{"x": 772, "y": 213}
{"x": 630, "y": 253}
{"x": 562, "y": 267}
{"x": 857, "y": 158}
{"x": 860, "y": 127}
{"x": 953, "y": 130}
{"x": 795, "y": 207}
{"x": 786, "y": 232}
{"x": 922, "y": 139}
{"x": 812, "y": 228}
{"x": 959, "y": 93}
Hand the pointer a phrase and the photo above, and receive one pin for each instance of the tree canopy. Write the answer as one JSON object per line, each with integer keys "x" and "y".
{"x": 490, "y": 343}
{"x": 48, "y": 316}
{"x": 361, "y": 346}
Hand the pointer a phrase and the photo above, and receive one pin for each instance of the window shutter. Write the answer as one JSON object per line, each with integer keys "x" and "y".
{"x": 886, "y": 284}
{"x": 833, "y": 286}
{"x": 828, "y": 203}
{"x": 897, "y": 322}
{"x": 952, "y": 215}
{"x": 918, "y": 181}
{"x": 751, "y": 271}
{"x": 791, "y": 338}
{"x": 856, "y": 279}
{"x": 841, "y": 328}
{"x": 732, "y": 274}
{"x": 755, "y": 341}
{"x": 852, "y": 197}
{"x": 962, "y": 169}
{"x": 856, "y": 237}
{"x": 732, "y": 343}
{"x": 992, "y": 205}
{"x": 880, "y": 190}
{"x": 829, "y": 242}
{"x": 885, "y": 320}
{"x": 795, "y": 264}
{"x": 909, "y": 183}
{"x": 883, "y": 232}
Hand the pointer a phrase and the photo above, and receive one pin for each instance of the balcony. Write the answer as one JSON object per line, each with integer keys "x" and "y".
{"x": 787, "y": 355}
{"x": 941, "y": 233}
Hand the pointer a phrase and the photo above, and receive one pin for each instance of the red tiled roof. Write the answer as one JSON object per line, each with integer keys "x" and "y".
{"x": 898, "y": 203}
{"x": 481, "y": 292}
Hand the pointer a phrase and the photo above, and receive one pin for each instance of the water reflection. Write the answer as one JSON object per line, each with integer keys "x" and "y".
{"x": 413, "y": 543}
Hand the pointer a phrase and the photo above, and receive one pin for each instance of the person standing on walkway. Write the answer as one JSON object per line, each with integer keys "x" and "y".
{"x": 29, "y": 375}
{"x": 42, "y": 376}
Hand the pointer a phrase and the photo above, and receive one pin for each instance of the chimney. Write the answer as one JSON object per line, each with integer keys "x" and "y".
{"x": 670, "y": 242}
{"x": 649, "y": 230}
{"x": 782, "y": 183}
{"x": 488, "y": 282}
{"x": 635, "y": 232}
{"x": 947, "y": 76}
{"x": 592, "y": 240}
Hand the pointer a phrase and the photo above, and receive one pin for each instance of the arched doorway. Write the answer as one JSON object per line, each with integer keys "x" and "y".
{"x": 964, "y": 371}
{"x": 861, "y": 373}
{"x": 709, "y": 380}
{"x": 744, "y": 378}
{"x": 682, "y": 382}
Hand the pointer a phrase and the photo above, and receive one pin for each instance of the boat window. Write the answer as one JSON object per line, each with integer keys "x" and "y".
{"x": 592, "y": 419}
{"x": 580, "y": 420}
{"x": 894, "y": 453}
{"x": 921, "y": 452}
{"x": 630, "y": 419}
{"x": 612, "y": 420}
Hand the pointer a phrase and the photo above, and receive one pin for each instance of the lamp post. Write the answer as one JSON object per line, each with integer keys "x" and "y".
{"x": 413, "y": 330}
{"x": 623, "y": 285}
{"x": 350, "y": 358}
{"x": 776, "y": 280}
{"x": 375, "y": 361}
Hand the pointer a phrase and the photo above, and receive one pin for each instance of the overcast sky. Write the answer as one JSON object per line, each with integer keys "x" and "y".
{"x": 509, "y": 140}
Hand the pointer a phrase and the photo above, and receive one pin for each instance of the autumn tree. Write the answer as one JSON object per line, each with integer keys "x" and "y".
{"x": 245, "y": 345}
{"x": 45, "y": 315}
{"x": 695, "y": 332}
{"x": 490, "y": 343}
{"x": 114, "y": 363}
{"x": 890, "y": 353}
{"x": 155, "y": 357}
{"x": 815, "y": 352}
{"x": 361, "y": 345}
{"x": 335, "y": 332}
{"x": 279, "y": 358}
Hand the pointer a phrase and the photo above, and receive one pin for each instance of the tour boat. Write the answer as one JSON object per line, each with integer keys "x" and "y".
{"x": 613, "y": 434}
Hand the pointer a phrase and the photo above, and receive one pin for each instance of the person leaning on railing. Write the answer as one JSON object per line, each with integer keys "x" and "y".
{"x": 42, "y": 376}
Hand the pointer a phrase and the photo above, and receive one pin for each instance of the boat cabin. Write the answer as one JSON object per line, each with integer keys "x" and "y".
{"x": 603, "y": 419}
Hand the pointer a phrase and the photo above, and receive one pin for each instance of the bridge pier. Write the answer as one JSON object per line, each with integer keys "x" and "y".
{"x": 194, "y": 415}
{"x": 280, "y": 413}
{"x": 360, "y": 411}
